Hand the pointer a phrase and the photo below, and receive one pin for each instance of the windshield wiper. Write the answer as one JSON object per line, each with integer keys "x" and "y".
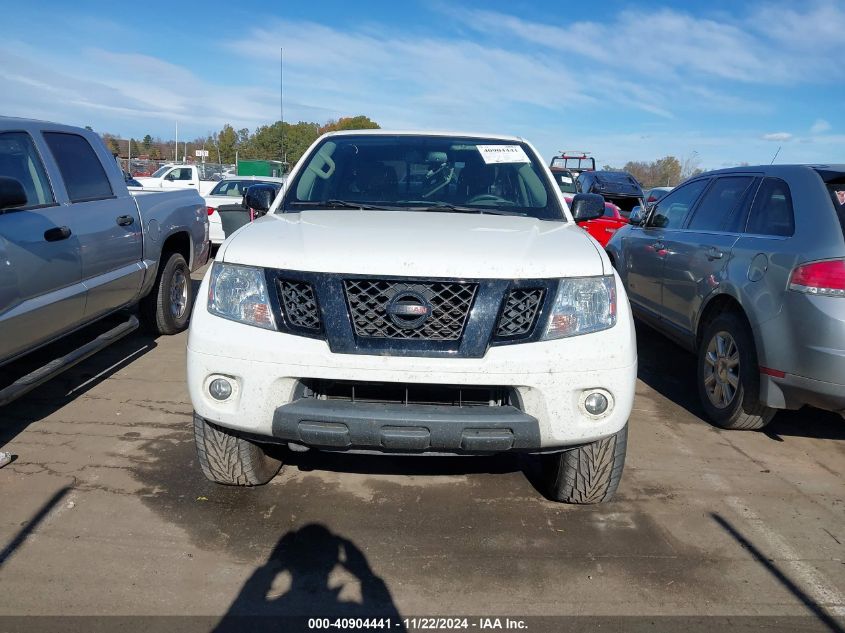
{"x": 459, "y": 209}
{"x": 342, "y": 204}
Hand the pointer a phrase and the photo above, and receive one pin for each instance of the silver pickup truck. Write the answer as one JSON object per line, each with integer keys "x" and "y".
{"x": 76, "y": 246}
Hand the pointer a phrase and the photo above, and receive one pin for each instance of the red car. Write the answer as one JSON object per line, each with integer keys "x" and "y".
{"x": 603, "y": 228}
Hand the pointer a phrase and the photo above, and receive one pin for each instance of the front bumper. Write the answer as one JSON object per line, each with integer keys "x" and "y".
{"x": 550, "y": 378}
{"x": 405, "y": 428}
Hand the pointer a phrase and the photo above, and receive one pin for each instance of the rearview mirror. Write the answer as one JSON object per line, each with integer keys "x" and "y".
{"x": 12, "y": 194}
{"x": 587, "y": 206}
{"x": 637, "y": 216}
{"x": 260, "y": 197}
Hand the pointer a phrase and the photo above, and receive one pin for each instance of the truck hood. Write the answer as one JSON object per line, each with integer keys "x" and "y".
{"x": 418, "y": 244}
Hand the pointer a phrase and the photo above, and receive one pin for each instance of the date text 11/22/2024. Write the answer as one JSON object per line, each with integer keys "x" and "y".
{"x": 421, "y": 623}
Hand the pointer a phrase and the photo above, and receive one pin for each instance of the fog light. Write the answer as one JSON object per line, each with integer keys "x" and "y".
{"x": 595, "y": 403}
{"x": 220, "y": 389}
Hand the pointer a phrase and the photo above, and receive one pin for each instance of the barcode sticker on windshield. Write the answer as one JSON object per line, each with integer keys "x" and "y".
{"x": 502, "y": 154}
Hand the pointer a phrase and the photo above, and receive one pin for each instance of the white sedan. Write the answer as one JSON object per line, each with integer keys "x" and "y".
{"x": 230, "y": 191}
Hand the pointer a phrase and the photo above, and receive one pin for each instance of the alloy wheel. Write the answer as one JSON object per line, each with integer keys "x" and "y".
{"x": 178, "y": 294}
{"x": 721, "y": 370}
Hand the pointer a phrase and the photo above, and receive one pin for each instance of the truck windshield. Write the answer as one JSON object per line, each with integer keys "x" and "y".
{"x": 423, "y": 173}
{"x": 158, "y": 173}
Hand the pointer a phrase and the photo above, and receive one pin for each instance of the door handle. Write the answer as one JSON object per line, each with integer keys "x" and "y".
{"x": 125, "y": 220}
{"x": 714, "y": 253}
{"x": 658, "y": 246}
{"x": 57, "y": 234}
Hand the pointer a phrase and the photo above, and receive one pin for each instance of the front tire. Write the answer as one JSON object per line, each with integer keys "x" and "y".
{"x": 226, "y": 458}
{"x": 728, "y": 378}
{"x": 167, "y": 309}
{"x": 589, "y": 473}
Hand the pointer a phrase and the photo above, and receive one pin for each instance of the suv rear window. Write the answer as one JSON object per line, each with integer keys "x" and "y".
{"x": 84, "y": 176}
{"x": 771, "y": 213}
{"x": 837, "y": 194}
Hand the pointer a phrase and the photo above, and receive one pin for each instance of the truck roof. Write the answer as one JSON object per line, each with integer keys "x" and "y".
{"x": 379, "y": 132}
{"x": 15, "y": 123}
{"x": 777, "y": 169}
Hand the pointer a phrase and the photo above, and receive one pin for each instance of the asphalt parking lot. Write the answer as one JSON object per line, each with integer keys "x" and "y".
{"x": 105, "y": 511}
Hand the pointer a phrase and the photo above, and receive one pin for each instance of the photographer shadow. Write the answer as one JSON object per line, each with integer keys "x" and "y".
{"x": 311, "y": 573}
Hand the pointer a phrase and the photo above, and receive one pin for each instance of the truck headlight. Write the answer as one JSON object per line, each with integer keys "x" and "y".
{"x": 582, "y": 305}
{"x": 239, "y": 293}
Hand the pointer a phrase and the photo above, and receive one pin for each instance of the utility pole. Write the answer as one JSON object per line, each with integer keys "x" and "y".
{"x": 176, "y": 147}
{"x": 282, "y": 106}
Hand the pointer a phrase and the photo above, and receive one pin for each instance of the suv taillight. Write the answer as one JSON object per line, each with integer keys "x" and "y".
{"x": 210, "y": 210}
{"x": 820, "y": 278}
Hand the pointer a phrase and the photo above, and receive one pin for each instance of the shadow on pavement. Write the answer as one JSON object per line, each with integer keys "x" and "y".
{"x": 69, "y": 385}
{"x": 403, "y": 464}
{"x": 671, "y": 371}
{"x": 30, "y": 526}
{"x": 310, "y": 573}
{"x": 814, "y": 607}
{"x": 426, "y": 465}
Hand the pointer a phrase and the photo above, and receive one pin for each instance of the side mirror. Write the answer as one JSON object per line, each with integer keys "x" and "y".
{"x": 12, "y": 194}
{"x": 260, "y": 197}
{"x": 637, "y": 217}
{"x": 587, "y": 206}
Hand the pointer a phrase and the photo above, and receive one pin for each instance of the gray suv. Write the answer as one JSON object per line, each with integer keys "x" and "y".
{"x": 746, "y": 268}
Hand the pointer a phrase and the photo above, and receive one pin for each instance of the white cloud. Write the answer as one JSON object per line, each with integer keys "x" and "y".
{"x": 779, "y": 137}
{"x": 820, "y": 126}
{"x": 770, "y": 45}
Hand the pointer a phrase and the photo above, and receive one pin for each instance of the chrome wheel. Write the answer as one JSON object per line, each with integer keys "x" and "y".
{"x": 721, "y": 370}
{"x": 178, "y": 294}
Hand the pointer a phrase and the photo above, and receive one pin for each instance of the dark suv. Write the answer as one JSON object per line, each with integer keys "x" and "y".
{"x": 618, "y": 187}
{"x": 746, "y": 267}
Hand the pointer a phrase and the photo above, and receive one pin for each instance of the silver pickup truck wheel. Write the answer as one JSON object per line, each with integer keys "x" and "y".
{"x": 167, "y": 308}
{"x": 226, "y": 458}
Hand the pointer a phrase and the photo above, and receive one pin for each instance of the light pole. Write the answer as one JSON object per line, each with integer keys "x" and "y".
{"x": 284, "y": 152}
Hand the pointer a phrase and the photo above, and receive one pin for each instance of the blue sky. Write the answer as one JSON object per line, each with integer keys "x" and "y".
{"x": 727, "y": 82}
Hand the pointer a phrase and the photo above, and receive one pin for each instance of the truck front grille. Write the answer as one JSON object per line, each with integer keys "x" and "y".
{"x": 409, "y": 393}
{"x": 519, "y": 313}
{"x": 299, "y": 305}
{"x": 372, "y": 308}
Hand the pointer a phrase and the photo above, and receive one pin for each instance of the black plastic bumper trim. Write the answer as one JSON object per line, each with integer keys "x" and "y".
{"x": 344, "y": 425}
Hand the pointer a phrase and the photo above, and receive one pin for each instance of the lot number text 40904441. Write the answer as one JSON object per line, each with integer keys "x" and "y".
{"x": 418, "y": 624}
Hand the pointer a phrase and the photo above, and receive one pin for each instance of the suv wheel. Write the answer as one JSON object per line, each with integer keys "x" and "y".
{"x": 226, "y": 458}
{"x": 589, "y": 473}
{"x": 728, "y": 379}
{"x": 167, "y": 308}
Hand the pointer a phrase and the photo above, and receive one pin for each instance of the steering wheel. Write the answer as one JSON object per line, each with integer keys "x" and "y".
{"x": 486, "y": 197}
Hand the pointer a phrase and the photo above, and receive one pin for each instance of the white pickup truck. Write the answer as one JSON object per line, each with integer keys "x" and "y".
{"x": 176, "y": 176}
{"x": 415, "y": 293}
{"x": 77, "y": 250}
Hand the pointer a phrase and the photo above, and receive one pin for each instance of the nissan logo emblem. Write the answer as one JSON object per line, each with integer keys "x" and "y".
{"x": 408, "y": 309}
